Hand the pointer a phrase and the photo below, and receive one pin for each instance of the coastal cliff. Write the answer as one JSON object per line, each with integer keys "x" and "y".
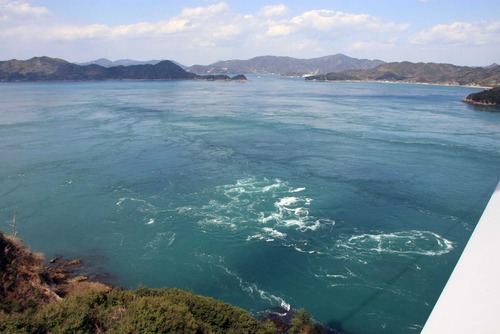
{"x": 39, "y": 297}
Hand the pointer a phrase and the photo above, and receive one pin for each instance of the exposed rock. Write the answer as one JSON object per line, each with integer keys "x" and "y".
{"x": 26, "y": 283}
{"x": 73, "y": 263}
{"x": 54, "y": 260}
{"x": 22, "y": 279}
{"x": 78, "y": 279}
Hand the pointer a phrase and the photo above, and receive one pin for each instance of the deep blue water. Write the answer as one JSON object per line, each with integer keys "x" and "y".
{"x": 352, "y": 200}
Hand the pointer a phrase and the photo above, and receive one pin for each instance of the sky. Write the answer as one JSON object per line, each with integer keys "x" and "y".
{"x": 461, "y": 32}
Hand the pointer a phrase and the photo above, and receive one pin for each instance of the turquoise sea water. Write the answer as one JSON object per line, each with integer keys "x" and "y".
{"x": 352, "y": 200}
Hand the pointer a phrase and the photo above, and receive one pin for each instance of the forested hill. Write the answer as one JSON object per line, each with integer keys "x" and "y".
{"x": 489, "y": 98}
{"x": 286, "y": 66}
{"x": 53, "y": 69}
{"x": 431, "y": 73}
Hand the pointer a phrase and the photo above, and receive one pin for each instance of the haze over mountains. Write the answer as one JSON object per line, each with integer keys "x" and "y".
{"x": 285, "y": 66}
{"x": 120, "y": 62}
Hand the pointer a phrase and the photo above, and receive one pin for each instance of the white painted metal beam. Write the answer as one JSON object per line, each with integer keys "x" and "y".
{"x": 470, "y": 301}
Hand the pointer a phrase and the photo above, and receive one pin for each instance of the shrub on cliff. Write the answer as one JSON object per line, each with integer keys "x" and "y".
{"x": 29, "y": 304}
{"x": 141, "y": 311}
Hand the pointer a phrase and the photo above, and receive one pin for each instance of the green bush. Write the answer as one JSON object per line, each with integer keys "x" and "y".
{"x": 157, "y": 315}
{"x": 141, "y": 311}
{"x": 300, "y": 321}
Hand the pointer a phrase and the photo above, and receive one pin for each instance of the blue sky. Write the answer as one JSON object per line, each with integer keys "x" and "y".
{"x": 204, "y": 31}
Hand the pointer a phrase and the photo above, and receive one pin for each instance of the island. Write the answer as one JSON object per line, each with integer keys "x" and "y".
{"x": 54, "y": 69}
{"x": 488, "y": 98}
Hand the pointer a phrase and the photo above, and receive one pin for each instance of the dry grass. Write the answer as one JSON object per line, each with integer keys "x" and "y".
{"x": 25, "y": 281}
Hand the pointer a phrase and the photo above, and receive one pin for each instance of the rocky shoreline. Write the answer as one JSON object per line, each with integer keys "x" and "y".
{"x": 480, "y": 103}
{"x": 486, "y": 98}
{"x": 65, "y": 277}
{"x": 38, "y": 296}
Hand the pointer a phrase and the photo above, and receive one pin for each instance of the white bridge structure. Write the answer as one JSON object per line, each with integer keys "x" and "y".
{"x": 470, "y": 301}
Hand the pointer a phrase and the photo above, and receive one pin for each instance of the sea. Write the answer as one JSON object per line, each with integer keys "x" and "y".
{"x": 353, "y": 201}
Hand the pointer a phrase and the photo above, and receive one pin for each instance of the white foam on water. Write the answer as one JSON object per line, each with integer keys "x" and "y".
{"x": 218, "y": 221}
{"x": 259, "y": 237}
{"x": 255, "y": 236}
{"x": 400, "y": 243}
{"x": 264, "y": 220}
{"x": 266, "y": 210}
{"x": 271, "y": 187}
{"x": 340, "y": 277}
{"x": 274, "y": 233}
{"x": 165, "y": 238}
{"x": 330, "y": 276}
{"x": 136, "y": 204}
{"x": 157, "y": 247}
{"x": 253, "y": 289}
{"x": 184, "y": 209}
{"x": 300, "y": 250}
{"x": 287, "y": 201}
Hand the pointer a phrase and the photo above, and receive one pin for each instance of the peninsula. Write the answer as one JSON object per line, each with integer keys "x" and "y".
{"x": 423, "y": 73}
{"x": 487, "y": 98}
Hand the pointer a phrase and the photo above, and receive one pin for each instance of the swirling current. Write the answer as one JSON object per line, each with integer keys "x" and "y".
{"x": 352, "y": 200}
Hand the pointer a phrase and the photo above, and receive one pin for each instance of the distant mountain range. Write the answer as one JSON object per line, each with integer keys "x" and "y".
{"x": 120, "y": 62}
{"x": 53, "y": 69}
{"x": 430, "y": 73}
{"x": 125, "y": 62}
{"x": 286, "y": 66}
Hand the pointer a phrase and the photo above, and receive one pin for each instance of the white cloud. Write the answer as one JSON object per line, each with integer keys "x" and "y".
{"x": 213, "y": 22}
{"x": 207, "y": 33}
{"x": 204, "y": 11}
{"x": 360, "y": 45}
{"x": 203, "y": 20}
{"x": 332, "y": 21}
{"x": 460, "y": 33}
{"x": 216, "y": 22}
{"x": 279, "y": 30}
{"x": 12, "y": 10}
{"x": 276, "y": 10}
{"x": 216, "y": 31}
{"x": 75, "y": 33}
